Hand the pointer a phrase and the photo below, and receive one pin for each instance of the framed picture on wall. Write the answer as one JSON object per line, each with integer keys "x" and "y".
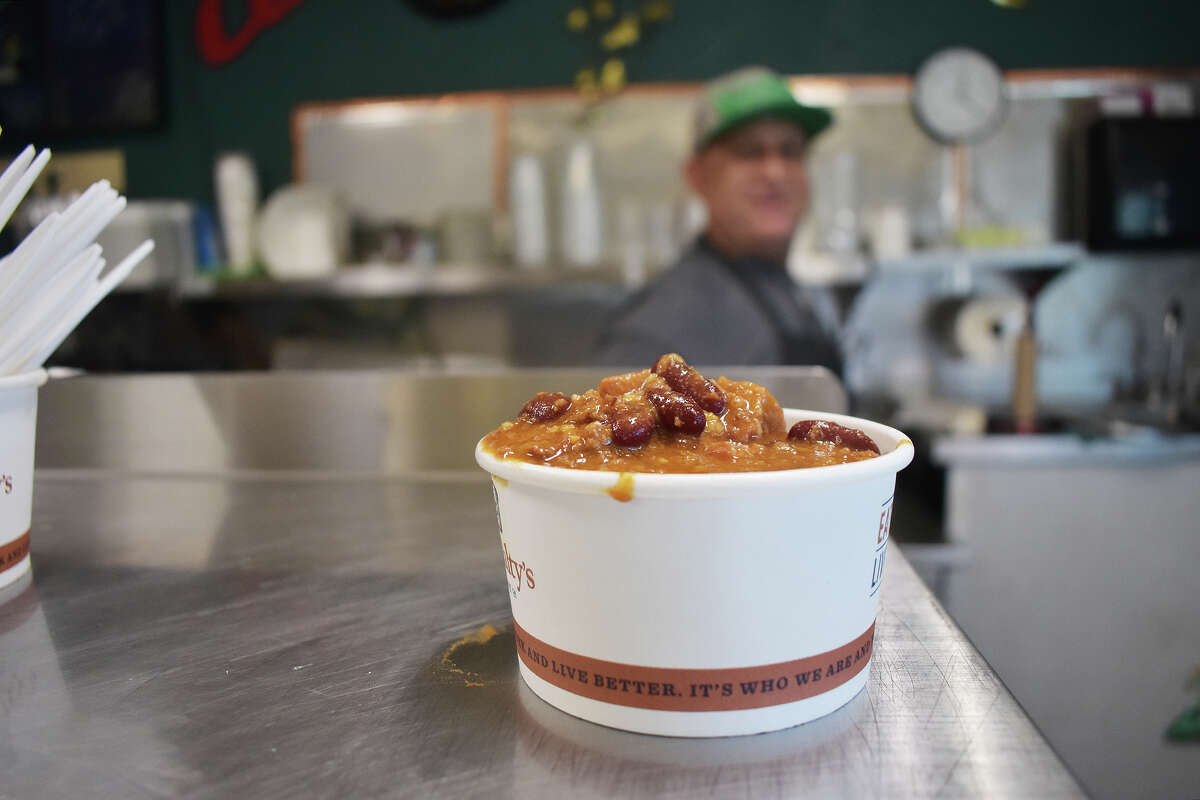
{"x": 77, "y": 67}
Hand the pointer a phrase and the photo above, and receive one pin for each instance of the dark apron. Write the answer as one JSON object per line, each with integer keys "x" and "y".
{"x": 802, "y": 339}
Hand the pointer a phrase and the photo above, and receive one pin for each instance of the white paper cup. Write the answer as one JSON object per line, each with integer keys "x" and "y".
{"x": 707, "y": 605}
{"x": 18, "y": 423}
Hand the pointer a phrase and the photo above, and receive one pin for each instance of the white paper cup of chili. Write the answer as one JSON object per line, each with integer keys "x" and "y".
{"x": 703, "y": 605}
{"x": 18, "y": 423}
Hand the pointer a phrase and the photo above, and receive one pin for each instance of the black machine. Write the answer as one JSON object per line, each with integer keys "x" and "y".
{"x": 1143, "y": 183}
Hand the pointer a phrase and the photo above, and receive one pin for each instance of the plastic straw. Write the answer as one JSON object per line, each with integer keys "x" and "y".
{"x": 21, "y": 330}
{"x": 16, "y": 169}
{"x": 81, "y": 309}
{"x": 51, "y": 281}
{"x": 10, "y": 201}
{"x": 14, "y": 265}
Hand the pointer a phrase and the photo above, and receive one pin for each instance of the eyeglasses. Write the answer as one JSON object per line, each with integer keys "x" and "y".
{"x": 757, "y": 148}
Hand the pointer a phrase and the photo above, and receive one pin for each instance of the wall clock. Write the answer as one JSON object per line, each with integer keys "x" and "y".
{"x": 959, "y": 96}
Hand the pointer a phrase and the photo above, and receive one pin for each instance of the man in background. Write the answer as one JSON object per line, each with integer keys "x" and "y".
{"x": 729, "y": 299}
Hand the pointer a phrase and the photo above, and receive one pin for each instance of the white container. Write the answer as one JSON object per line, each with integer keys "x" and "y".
{"x": 303, "y": 232}
{"x": 706, "y": 605}
{"x": 18, "y": 422}
{"x": 527, "y": 202}
{"x": 582, "y": 223}
{"x": 235, "y": 179}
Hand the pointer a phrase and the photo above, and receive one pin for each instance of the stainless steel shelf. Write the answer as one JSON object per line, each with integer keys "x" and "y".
{"x": 396, "y": 280}
{"x": 1054, "y": 254}
{"x": 447, "y": 280}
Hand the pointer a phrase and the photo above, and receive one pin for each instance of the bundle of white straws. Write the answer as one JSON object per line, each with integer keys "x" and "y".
{"x": 56, "y": 275}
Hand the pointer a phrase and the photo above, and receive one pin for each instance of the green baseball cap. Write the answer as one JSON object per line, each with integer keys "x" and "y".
{"x": 748, "y": 94}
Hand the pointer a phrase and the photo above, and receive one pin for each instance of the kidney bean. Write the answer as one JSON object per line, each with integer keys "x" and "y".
{"x": 800, "y": 430}
{"x": 545, "y": 406}
{"x": 632, "y": 420}
{"x": 676, "y": 413}
{"x": 819, "y": 430}
{"x": 686, "y": 380}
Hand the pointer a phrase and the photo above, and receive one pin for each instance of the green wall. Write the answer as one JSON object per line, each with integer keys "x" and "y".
{"x": 330, "y": 49}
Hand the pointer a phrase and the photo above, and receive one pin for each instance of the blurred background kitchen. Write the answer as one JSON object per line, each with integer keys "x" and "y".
{"x": 480, "y": 184}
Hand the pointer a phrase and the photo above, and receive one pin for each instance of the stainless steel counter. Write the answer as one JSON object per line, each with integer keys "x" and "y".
{"x": 1093, "y": 544}
{"x": 279, "y": 633}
